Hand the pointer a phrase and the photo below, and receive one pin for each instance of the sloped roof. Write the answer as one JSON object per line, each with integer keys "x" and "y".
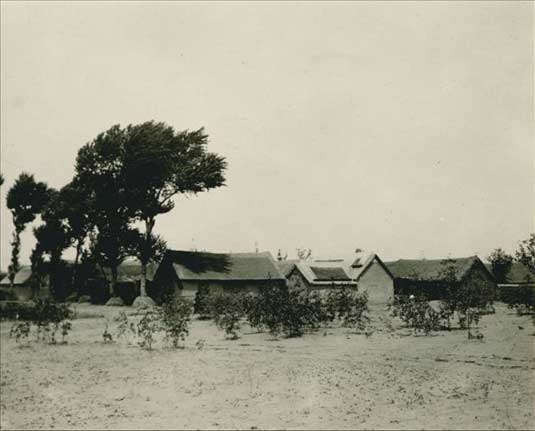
{"x": 189, "y": 265}
{"x": 324, "y": 272}
{"x": 21, "y": 277}
{"x": 430, "y": 270}
{"x": 286, "y": 266}
{"x": 368, "y": 262}
{"x": 518, "y": 274}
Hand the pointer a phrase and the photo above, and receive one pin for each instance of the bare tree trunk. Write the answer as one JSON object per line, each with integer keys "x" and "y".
{"x": 149, "y": 225}
{"x": 75, "y": 267}
{"x": 113, "y": 283}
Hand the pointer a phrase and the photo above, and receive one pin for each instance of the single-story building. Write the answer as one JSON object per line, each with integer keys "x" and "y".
{"x": 375, "y": 278}
{"x": 433, "y": 277}
{"x": 518, "y": 285}
{"x": 22, "y": 289}
{"x": 184, "y": 272}
{"x": 318, "y": 275}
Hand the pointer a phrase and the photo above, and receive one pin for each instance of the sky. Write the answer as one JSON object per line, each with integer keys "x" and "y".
{"x": 401, "y": 128}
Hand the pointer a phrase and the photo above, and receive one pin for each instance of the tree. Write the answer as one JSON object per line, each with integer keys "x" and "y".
{"x": 100, "y": 173}
{"x": 160, "y": 163}
{"x": 526, "y": 253}
{"x": 53, "y": 237}
{"x": 25, "y": 199}
{"x": 304, "y": 254}
{"x": 500, "y": 263}
{"x": 75, "y": 208}
{"x": 1, "y": 180}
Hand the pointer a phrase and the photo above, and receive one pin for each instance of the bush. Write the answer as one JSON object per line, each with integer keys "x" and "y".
{"x": 175, "y": 316}
{"x": 147, "y": 327}
{"x": 348, "y": 306}
{"x": 47, "y": 315}
{"x": 282, "y": 310}
{"x": 226, "y": 309}
{"x": 201, "y": 304}
{"x": 416, "y": 313}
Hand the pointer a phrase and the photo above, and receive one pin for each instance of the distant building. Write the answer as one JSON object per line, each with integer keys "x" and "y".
{"x": 184, "y": 272}
{"x": 318, "y": 275}
{"x": 375, "y": 278}
{"x": 22, "y": 289}
{"x": 518, "y": 286}
{"x": 428, "y": 277}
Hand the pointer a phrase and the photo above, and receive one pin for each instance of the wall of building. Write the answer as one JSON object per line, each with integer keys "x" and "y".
{"x": 379, "y": 285}
{"x": 188, "y": 289}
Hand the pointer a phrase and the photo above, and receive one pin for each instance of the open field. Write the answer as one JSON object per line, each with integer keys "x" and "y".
{"x": 338, "y": 381}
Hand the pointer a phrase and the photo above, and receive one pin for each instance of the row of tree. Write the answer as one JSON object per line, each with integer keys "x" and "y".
{"x": 123, "y": 180}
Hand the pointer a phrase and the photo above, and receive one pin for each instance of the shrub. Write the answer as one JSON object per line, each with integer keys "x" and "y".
{"x": 21, "y": 331}
{"x": 416, "y": 313}
{"x": 201, "y": 303}
{"x": 175, "y": 315}
{"x": 282, "y": 310}
{"x": 348, "y": 306}
{"x": 227, "y": 309}
{"x": 147, "y": 327}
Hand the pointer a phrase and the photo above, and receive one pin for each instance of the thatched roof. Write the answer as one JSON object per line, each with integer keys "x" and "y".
{"x": 199, "y": 266}
{"x": 518, "y": 274}
{"x": 431, "y": 270}
{"x": 21, "y": 277}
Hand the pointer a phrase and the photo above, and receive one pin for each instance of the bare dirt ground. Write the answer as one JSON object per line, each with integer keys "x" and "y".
{"x": 335, "y": 381}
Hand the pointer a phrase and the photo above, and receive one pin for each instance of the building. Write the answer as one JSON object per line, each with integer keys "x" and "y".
{"x": 22, "y": 289}
{"x": 319, "y": 275}
{"x": 184, "y": 272}
{"x": 375, "y": 278}
{"x": 433, "y": 277}
{"x": 518, "y": 285}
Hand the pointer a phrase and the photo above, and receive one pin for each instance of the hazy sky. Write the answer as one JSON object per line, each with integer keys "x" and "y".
{"x": 396, "y": 127}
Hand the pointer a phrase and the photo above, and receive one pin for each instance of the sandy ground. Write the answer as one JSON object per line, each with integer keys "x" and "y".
{"x": 335, "y": 381}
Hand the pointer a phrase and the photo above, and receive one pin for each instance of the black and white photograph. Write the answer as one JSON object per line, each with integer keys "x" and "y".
{"x": 267, "y": 215}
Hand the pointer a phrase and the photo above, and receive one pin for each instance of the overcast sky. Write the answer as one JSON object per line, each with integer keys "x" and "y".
{"x": 403, "y": 128}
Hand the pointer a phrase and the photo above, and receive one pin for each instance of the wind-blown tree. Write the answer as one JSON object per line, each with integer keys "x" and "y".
{"x": 500, "y": 263}
{"x": 75, "y": 208}
{"x": 53, "y": 238}
{"x": 526, "y": 253}
{"x": 159, "y": 164}
{"x": 100, "y": 172}
{"x": 25, "y": 199}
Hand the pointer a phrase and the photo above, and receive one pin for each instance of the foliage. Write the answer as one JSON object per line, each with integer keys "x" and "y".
{"x": 21, "y": 331}
{"x": 526, "y": 253}
{"x": 175, "y": 315}
{"x": 286, "y": 311}
{"x": 347, "y": 306}
{"x": 500, "y": 263}
{"x": 201, "y": 304}
{"x": 147, "y": 327}
{"x": 226, "y": 309}
{"x": 416, "y": 313}
{"x": 25, "y": 199}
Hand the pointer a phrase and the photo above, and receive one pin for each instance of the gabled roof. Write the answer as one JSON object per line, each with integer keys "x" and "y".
{"x": 198, "y": 266}
{"x": 373, "y": 258}
{"x": 286, "y": 266}
{"x": 518, "y": 274}
{"x": 324, "y": 273}
{"x": 431, "y": 270}
{"x": 21, "y": 277}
